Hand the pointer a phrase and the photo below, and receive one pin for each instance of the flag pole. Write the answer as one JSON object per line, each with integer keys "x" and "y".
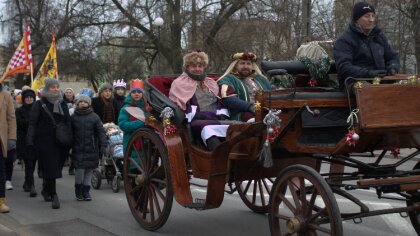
{"x": 32, "y": 74}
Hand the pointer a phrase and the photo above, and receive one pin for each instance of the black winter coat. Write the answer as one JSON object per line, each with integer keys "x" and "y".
{"x": 88, "y": 139}
{"x": 98, "y": 108}
{"x": 23, "y": 114}
{"x": 355, "y": 53}
{"x": 41, "y": 136}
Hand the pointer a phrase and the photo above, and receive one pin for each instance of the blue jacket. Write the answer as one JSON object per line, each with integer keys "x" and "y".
{"x": 356, "y": 53}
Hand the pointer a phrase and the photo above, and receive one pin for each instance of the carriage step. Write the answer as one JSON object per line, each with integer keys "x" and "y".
{"x": 198, "y": 204}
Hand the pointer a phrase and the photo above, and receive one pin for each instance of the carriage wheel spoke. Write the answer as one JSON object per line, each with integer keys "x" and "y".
{"x": 156, "y": 200}
{"x": 293, "y": 191}
{"x": 319, "y": 228}
{"x": 316, "y": 215}
{"x": 264, "y": 181}
{"x": 302, "y": 192}
{"x": 254, "y": 192}
{"x": 287, "y": 203}
{"x": 262, "y": 195}
{"x": 151, "y": 205}
{"x": 311, "y": 202}
{"x": 282, "y": 217}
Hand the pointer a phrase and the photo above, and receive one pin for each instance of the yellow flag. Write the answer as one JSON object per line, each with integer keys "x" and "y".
{"x": 48, "y": 68}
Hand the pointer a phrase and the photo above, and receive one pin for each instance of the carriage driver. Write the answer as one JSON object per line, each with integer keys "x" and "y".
{"x": 363, "y": 51}
{"x": 239, "y": 84}
{"x": 197, "y": 95}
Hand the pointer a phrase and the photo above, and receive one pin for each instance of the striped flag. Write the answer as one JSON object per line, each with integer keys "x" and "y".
{"x": 21, "y": 61}
{"x": 48, "y": 68}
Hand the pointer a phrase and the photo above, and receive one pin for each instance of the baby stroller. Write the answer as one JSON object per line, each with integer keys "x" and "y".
{"x": 111, "y": 163}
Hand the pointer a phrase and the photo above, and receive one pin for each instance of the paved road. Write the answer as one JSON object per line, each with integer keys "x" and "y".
{"x": 108, "y": 214}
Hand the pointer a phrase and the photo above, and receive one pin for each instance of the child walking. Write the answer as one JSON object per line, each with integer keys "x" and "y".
{"x": 88, "y": 139}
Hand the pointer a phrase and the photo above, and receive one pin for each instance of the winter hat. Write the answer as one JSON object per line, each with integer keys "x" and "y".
{"x": 104, "y": 86}
{"x": 28, "y": 93}
{"x": 69, "y": 89}
{"x": 196, "y": 57}
{"x": 17, "y": 92}
{"x": 48, "y": 82}
{"x": 360, "y": 9}
{"x": 136, "y": 85}
{"x": 86, "y": 91}
{"x": 83, "y": 97}
{"x": 25, "y": 87}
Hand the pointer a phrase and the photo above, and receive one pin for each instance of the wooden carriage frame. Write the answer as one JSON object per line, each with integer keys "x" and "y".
{"x": 161, "y": 168}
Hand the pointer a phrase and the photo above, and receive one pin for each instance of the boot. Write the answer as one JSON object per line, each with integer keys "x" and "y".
{"x": 33, "y": 192}
{"x": 55, "y": 202}
{"x": 45, "y": 192}
{"x": 85, "y": 192}
{"x": 212, "y": 143}
{"x": 26, "y": 187}
{"x": 78, "y": 192}
{"x": 3, "y": 207}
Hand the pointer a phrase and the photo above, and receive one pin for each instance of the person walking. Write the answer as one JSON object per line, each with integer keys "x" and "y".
{"x": 41, "y": 137}
{"x": 22, "y": 121}
{"x": 7, "y": 140}
{"x": 88, "y": 139}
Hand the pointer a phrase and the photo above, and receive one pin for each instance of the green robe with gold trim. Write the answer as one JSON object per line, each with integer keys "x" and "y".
{"x": 241, "y": 89}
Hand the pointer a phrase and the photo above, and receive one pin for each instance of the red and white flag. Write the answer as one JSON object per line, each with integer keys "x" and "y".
{"x": 21, "y": 61}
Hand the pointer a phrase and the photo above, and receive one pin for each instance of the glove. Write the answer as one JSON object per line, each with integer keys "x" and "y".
{"x": 376, "y": 73}
{"x": 252, "y": 109}
{"x": 11, "y": 144}
{"x": 392, "y": 71}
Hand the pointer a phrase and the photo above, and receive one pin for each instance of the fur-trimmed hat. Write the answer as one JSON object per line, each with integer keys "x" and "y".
{"x": 196, "y": 57}
{"x": 360, "y": 9}
{"x": 82, "y": 97}
{"x": 247, "y": 56}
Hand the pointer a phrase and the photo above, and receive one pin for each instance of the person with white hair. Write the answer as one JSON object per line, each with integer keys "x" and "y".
{"x": 239, "y": 84}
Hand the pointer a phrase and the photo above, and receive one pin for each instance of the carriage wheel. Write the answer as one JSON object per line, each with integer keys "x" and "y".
{"x": 415, "y": 215}
{"x": 147, "y": 179}
{"x": 96, "y": 179}
{"x": 255, "y": 193}
{"x": 307, "y": 207}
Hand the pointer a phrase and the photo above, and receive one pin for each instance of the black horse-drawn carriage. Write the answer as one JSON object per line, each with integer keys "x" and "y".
{"x": 276, "y": 169}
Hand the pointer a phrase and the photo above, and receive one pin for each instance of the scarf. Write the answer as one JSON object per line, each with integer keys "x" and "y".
{"x": 183, "y": 88}
{"x": 55, "y": 99}
{"x": 108, "y": 113}
{"x": 83, "y": 111}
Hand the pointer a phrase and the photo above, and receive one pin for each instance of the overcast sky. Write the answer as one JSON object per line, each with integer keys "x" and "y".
{"x": 3, "y": 31}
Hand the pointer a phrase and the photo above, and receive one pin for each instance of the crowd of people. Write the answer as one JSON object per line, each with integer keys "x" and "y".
{"x": 29, "y": 120}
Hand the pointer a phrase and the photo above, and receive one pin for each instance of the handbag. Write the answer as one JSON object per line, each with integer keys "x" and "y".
{"x": 63, "y": 133}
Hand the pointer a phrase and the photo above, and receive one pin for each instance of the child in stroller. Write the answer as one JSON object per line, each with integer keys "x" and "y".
{"x": 111, "y": 164}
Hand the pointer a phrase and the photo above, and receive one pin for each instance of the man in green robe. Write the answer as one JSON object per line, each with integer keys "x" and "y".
{"x": 239, "y": 84}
